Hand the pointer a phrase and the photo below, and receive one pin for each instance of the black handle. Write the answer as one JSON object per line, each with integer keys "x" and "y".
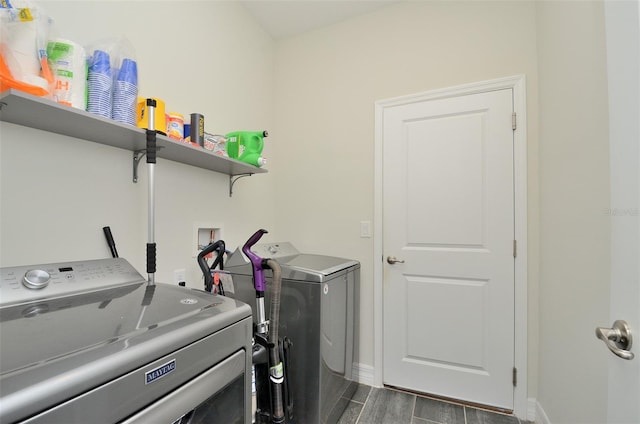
{"x": 218, "y": 262}
{"x": 151, "y": 258}
{"x": 110, "y": 242}
{"x": 151, "y": 146}
{"x": 206, "y": 271}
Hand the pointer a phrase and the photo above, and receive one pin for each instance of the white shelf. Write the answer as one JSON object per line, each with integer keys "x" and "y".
{"x": 31, "y": 111}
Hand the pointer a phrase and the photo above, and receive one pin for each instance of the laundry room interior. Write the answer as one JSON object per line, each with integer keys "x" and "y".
{"x": 320, "y": 91}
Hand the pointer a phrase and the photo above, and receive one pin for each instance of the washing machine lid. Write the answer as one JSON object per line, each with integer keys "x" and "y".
{"x": 295, "y": 265}
{"x": 46, "y": 332}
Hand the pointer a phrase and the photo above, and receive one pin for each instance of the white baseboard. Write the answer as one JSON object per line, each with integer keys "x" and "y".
{"x": 363, "y": 373}
{"x": 540, "y": 415}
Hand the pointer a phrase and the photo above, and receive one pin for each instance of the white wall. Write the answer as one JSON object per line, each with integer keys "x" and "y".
{"x": 574, "y": 195}
{"x": 326, "y": 84}
{"x": 58, "y": 192}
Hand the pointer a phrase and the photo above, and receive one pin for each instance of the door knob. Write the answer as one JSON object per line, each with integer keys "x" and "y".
{"x": 392, "y": 260}
{"x": 618, "y": 339}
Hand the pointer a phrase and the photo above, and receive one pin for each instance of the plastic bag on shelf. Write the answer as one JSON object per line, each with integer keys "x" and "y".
{"x": 24, "y": 30}
{"x": 68, "y": 63}
{"x": 113, "y": 80}
{"x": 216, "y": 144}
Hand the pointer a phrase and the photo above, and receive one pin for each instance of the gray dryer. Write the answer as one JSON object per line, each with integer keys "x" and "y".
{"x": 318, "y": 314}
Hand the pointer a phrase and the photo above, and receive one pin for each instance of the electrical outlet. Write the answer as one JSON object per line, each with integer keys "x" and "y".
{"x": 179, "y": 275}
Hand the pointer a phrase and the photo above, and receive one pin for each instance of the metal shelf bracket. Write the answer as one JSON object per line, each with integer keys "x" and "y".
{"x": 137, "y": 157}
{"x": 233, "y": 179}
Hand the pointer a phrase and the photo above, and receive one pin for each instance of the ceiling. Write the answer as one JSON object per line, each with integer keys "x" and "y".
{"x": 285, "y": 18}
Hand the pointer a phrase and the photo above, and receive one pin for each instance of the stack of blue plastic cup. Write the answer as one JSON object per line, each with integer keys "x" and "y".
{"x": 125, "y": 93}
{"x": 99, "y": 84}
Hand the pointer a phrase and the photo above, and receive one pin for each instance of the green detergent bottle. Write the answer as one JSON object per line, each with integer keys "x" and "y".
{"x": 246, "y": 146}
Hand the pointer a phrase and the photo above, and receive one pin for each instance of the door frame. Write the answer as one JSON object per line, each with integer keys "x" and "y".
{"x": 517, "y": 83}
{"x": 622, "y": 19}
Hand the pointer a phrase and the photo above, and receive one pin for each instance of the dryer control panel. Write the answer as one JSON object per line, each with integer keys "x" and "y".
{"x": 274, "y": 250}
{"x": 27, "y": 283}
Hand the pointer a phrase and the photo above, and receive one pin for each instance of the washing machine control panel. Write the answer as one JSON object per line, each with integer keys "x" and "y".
{"x": 36, "y": 279}
{"x": 28, "y": 283}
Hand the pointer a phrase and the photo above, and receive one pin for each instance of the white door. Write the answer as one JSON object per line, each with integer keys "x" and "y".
{"x": 623, "y": 57}
{"x": 448, "y": 220}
